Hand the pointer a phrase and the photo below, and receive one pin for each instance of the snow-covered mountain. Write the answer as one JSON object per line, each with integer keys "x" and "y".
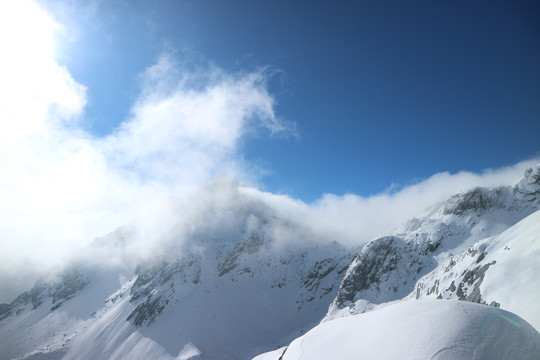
{"x": 445, "y": 328}
{"x": 228, "y": 288}
{"x": 241, "y": 277}
{"x": 417, "y": 258}
{"x": 480, "y": 246}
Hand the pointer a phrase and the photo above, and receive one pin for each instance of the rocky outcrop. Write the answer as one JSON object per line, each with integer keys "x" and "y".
{"x": 250, "y": 245}
{"x": 385, "y": 270}
{"x": 393, "y": 267}
{"x": 51, "y": 292}
{"x": 155, "y": 286}
{"x": 460, "y": 277}
{"x": 477, "y": 201}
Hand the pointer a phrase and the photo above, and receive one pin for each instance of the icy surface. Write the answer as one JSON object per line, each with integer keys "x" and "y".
{"x": 436, "y": 329}
{"x": 513, "y": 281}
{"x": 501, "y": 271}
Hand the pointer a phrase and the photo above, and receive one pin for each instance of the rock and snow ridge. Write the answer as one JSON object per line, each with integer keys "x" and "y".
{"x": 412, "y": 260}
{"x": 230, "y": 289}
{"x": 501, "y": 271}
{"x": 481, "y": 246}
{"x": 438, "y": 324}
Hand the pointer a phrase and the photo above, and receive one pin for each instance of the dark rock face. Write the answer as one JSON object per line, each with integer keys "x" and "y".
{"x": 383, "y": 268}
{"x": 480, "y": 200}
{"x": 465, "y": 285}
{"x": 155, "y": 286}
{"x": 473, "y": 277}
{"x": 373, "y": 263}
{"x": 250, "y": 245}
{"x": 57, "y": 291}
{"x": 149, "y": 310}
{"x": 71, "y": 282}
{"x": 477, "y": 201}
{"x": 316, "y": 280}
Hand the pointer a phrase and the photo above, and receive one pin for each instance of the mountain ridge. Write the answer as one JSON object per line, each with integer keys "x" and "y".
{"x": 227, "y": 286}
{"x": 389, "y": 267}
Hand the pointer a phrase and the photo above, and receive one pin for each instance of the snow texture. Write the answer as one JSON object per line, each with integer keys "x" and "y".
{"x": 229, "y": 287}
{"x": 425, "y": 329}
{"x": 443, "y": 253}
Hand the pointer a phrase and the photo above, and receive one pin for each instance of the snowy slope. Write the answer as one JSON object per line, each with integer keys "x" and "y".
{"x": 429, "y": 329}
{"x": 390, "y": 267}
{"x": 211, "y": 292}
{"x": 502, "y": 270}
{"x": 234, "y": 276}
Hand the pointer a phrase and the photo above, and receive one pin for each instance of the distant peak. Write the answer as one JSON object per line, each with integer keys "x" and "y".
{"x": 530, "y": 183}
{"x": 532, "y": 174}
{"x": 479, "y": 199}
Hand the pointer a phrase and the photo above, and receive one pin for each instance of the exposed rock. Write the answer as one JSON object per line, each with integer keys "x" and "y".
{"x": 56, "y": 291}
{"x": 155, "y": 284}
{"x": 383, "y": 268}
{"x": 477, "y": 200}
{"x": 251, "y": 245}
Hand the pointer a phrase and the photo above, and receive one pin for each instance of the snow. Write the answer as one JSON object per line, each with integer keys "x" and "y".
{"x": 231, "y": 289}
{"x": 513, "y": 281}
{"x": 271, "y": 355}
{"x": 218, "y": 293}
{"x": 445, "y": 253}
{"x": 188, "y": 352}
{"x": 423, "y": 329}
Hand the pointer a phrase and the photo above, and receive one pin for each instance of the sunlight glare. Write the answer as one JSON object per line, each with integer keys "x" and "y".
{"x": 26, "y": 31}
{"x": 33, "y": 84}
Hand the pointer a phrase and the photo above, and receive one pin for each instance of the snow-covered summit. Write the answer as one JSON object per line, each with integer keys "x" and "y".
{"x": 530, "y": 183}
{"x": 480, "y": 246}
{"x": 214, "y": 288}
{"x": 233, "y": 275}
{"x": 391, "y": 268}
{"x": 513, "y": 198}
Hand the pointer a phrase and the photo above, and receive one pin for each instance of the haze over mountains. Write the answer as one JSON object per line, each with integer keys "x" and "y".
{"x": 237, "y": 275}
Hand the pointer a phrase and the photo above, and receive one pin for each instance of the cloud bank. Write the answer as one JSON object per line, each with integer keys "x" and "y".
{"x": 61, "y": 187}
{"x": 359, "y": 218}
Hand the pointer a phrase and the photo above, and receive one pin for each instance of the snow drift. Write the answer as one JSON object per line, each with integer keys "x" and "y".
{"x": 424, "y": 329}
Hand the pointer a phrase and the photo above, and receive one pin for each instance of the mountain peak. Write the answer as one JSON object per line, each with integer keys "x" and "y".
{"x": 530, "y": 183}
{"x": 237, "y": 254}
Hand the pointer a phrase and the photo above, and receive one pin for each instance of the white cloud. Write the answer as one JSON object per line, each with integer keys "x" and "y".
{"x": 61, "y": 187}
{"x": 353, "y": 219}
{"x": 188, "y": 125}
{"x": 34, "y": 90}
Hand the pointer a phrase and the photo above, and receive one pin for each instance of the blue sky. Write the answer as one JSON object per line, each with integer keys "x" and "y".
{"x": 382, "y": 93}
{"x": 356, "y": 116}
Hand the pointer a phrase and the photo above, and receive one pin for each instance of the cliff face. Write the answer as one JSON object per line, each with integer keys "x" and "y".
{"x": 420, "y": 258}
